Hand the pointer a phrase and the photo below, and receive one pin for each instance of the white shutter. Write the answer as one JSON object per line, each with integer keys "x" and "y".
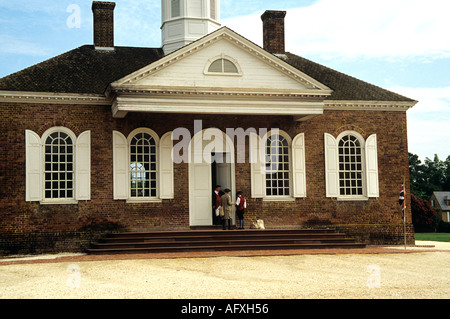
{"x": 331, "y": 166}
{"x": 83, "y": 166}
{"x": 166, "y": 189}
{"x": 33, "y": 167}
{"x": 257, "y": 161}
{"x": 299, "y": 171}
{"x": 372, "y": 166}
{"x": 120, "y": 166}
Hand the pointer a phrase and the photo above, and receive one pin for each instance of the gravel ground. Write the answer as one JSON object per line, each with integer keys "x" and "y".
{"x": 421, "y": 272}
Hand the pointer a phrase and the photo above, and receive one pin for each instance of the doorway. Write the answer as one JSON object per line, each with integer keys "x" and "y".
{"x": 221, "y": 174}
{"x": 204, "y": 175}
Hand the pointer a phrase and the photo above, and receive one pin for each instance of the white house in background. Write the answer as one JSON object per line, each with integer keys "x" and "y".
{"x": 441, "y": 201}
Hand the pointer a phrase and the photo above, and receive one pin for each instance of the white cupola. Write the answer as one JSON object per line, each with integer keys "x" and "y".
{"x": 185, "y": 21}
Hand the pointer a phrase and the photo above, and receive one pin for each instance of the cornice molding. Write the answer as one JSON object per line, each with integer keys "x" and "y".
{"x": 53, "y": 98}
{"x": 399, "y": 106}
{"x": 130, "y": 90}
{"x": 91, "y": 99}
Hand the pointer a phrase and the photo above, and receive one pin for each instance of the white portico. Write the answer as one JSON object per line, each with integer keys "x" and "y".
{"x": 222, "y": 73}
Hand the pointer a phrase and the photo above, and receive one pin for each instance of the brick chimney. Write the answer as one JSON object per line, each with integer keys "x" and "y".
{"x": 273, "y": 31}
{"x": 103, "y": 24}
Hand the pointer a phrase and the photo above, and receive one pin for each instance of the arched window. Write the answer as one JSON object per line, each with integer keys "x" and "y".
{"x": 143, "y": 170}
{"x": 59, "y": 166}
{"x": 278, "y": 169}
{"x": 350, "y": 166}
{"x": 143, "y": 166}
{"x": 277, "y": 166}
{"x": 223, "y": 66}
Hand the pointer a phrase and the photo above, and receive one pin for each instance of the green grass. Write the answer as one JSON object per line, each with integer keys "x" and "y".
{"x": 433, "y": 236}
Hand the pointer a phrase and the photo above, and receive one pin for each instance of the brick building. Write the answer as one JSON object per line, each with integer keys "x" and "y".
{"x": 105, "y": 138}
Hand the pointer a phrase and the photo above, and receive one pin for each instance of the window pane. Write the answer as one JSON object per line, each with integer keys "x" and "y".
{"x": 229, "y": 67}
{"x": 350, "y": 166}
{"x": 175, "y": 8}
{"x": 223, "y": 66}
{"x": 58, "y": 164}
{"x": 142, "y": 166}
{"x": 277, "y": 174}
{"x": 216, "y": 66}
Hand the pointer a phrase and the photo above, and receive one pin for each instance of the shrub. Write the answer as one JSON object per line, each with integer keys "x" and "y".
{"x": 444, "y": 227}
{"x": 424, "y": 216}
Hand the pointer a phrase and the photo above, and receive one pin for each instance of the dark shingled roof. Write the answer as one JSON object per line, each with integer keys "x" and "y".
{"x": 87, "y": 70}
{"x": 344, "y": 86}
{"x": 82, "y": 70}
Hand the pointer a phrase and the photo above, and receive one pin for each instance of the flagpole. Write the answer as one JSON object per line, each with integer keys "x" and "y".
{"x": 404, "y": 211}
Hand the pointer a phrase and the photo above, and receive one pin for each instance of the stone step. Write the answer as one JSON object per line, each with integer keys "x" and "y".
{"x": 217, "y": 240}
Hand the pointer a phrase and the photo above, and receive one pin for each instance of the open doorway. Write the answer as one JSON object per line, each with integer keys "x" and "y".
{"x": 221, "y": 174}
{"x": 206, "y": 171}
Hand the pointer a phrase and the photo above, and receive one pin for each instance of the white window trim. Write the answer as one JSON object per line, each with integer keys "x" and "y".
{"x": 278, "y": 199}
{"x": 51, "y": 201}
{"x": 119, "y": 169}
{"x": 329, "y": 167}
{"x": 297, "y": 173}
{"x": 39, "y": 143}
{"x": 143, "y": 200}
{"x": 58, "y": 202}
{"x": 363, "y": 164}
{"x": 129, "y": 139}
{"x": 273, "y": 198}
{"x": 226, "y": 57}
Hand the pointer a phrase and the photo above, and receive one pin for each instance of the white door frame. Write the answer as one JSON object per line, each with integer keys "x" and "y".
{"x": 201, "y": 218}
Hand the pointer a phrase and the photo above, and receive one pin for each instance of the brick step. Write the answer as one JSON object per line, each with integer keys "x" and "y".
{"x": 220, "y": 232}
{"x": 217, "y": 240}
{"x": 100, "y": 251}
{"x": 216, "y": 237}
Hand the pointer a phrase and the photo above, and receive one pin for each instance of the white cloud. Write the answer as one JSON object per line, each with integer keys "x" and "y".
{"x": 10, "y": 45}
{"x": 138, "y": 23}
{"x": 428, "y": 121}
{"x": 355, "y": 28}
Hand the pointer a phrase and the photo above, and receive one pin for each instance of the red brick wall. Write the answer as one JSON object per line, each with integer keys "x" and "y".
{"x": 381, "y": 216}
{"x": 103, "y": 15}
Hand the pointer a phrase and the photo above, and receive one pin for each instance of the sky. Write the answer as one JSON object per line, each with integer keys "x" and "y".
{"x": 399, "y": 45}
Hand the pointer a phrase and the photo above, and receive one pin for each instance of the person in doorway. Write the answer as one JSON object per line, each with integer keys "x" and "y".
{"x": 227, "y": 205}
{"x": 216, "y": 204}
{"x": 241, "y": 205}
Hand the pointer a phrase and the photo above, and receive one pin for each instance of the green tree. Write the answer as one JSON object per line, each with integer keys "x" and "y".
{"x": 446, "y": 185}
{"x": 416, "y": 175}
{"x": 432, "y": 175}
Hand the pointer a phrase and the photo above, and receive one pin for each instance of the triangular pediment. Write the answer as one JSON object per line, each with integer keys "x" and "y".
{"x": 256, "y": 69}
